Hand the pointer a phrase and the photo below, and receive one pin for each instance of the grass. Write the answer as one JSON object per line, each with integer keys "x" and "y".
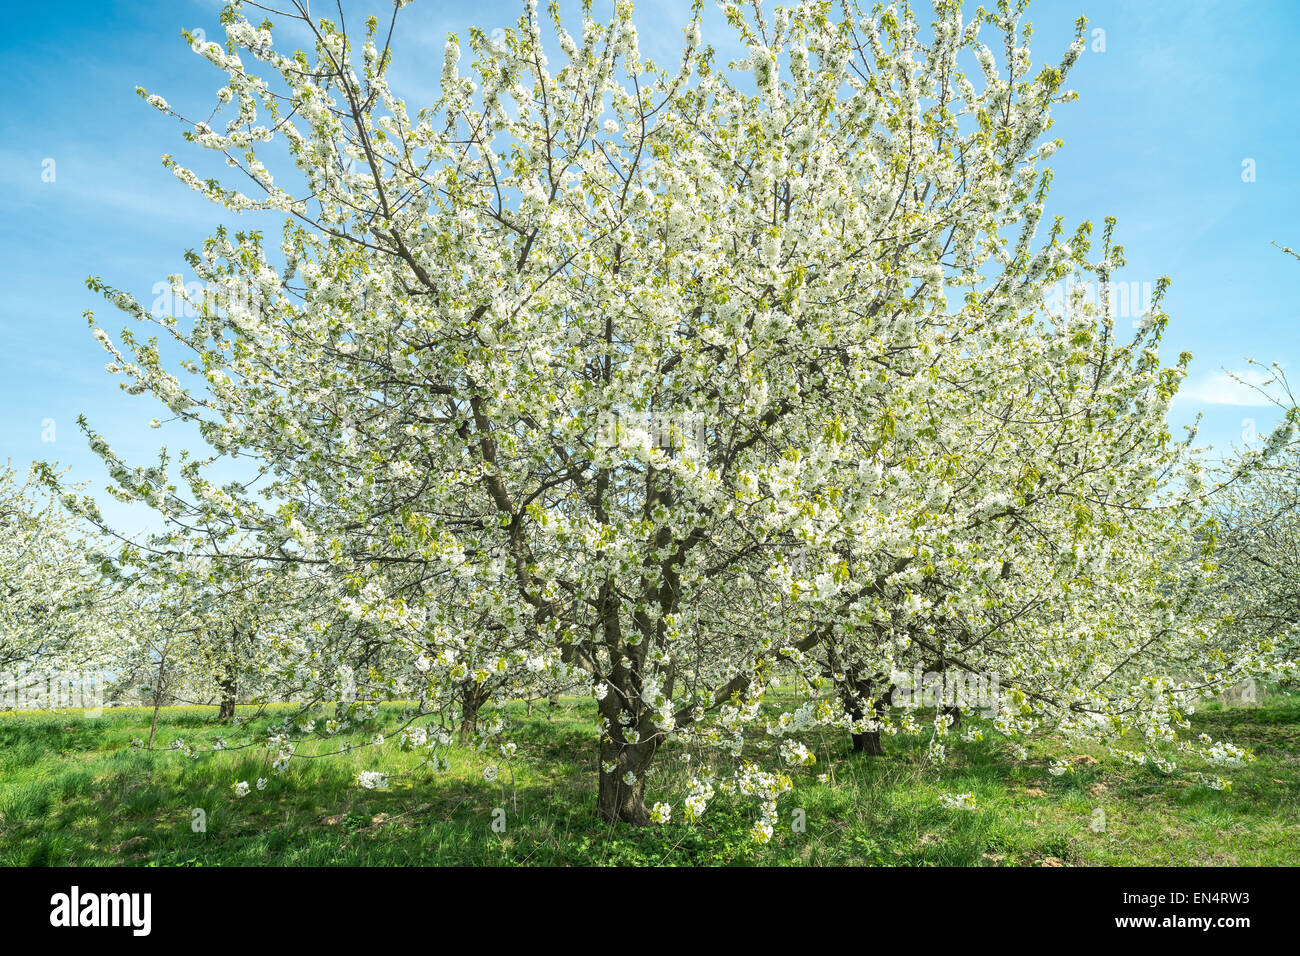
{"x": 74, "y": 792}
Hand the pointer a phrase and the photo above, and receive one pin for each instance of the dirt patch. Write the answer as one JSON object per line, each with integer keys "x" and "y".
{"x": 131, "y": 845}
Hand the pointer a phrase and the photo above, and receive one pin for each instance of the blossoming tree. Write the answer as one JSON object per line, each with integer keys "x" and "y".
{"x": 556, "y": 374}
{"x": 54, "y": 615}
{"x": 1257, "y": 531}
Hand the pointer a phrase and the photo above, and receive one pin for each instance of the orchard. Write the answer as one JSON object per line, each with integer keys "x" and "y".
{"x": 731, "y": 397}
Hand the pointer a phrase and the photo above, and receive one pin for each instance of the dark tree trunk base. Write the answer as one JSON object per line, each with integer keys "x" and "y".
{"x": 472, "y": 698}
{"x": 617, "y": 801}
{"x": 468, "y": 721}
{"x": 854, "y": 692}
{"x": 636, "y": 815}
{"x": 869, "y": 744}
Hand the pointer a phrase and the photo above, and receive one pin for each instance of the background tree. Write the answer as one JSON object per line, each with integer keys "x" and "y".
{"x": 56, "y": 616}
{"x": 1256, "y": 511}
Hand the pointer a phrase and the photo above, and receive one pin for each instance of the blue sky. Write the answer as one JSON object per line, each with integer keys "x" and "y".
{"x": 1182, "y": 96}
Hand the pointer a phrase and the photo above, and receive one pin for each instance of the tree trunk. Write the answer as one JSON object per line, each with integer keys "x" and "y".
{"x": 229, "y": 681}
{"x": 619, "y": 803}
{"x": 617, "y": 800}
{"x": 471, "y": 699}
{"x": 157, "y": 694}
{"x": 468, "y": 716}
{"x": 153, "y": 727}
{"x": 951, "y": 696}
{"x": 870, "y": 742}
{"x": 228, "y": 695}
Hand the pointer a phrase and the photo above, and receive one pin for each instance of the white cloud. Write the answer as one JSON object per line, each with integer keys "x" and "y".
{"x": 1221, "y": 388}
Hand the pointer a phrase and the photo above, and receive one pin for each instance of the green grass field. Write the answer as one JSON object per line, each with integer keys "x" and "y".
{"x": 73, "y": 791}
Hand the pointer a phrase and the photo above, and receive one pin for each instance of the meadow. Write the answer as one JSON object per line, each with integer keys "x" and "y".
{"x": 74, "y": 791}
